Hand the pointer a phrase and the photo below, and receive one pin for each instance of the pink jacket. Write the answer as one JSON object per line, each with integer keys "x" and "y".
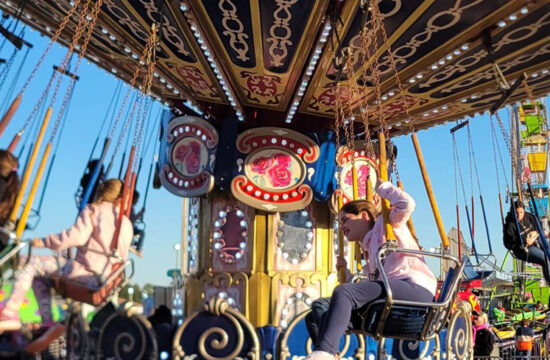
{"x": 397, "y": 265}
{"x": 94, "y": 229}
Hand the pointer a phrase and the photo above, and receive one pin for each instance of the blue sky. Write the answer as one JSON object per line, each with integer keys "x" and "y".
{"x": 163, "y": 215}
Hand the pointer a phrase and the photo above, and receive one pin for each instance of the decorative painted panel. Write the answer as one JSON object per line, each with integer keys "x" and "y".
{"x": 232, "y": 288}
{"x": 232, "y": 232}
{"x": 292, "y": 294}
{"x": 189, "y": 160}
{"x": 365, "y": 166}
{"x": 233, "y": 20}
{"x": 294, "y": 238}
{"x": 275, "y": 169}
{"x": 283, "y": 23}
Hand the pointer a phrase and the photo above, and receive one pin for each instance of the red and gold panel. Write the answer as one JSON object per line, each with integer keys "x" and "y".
{"x": 232, "y": 235}
{"x": 262, "y": 44}
{"x": 365, "y": 165}
{"x": 275, "y": 169}
{"x": 191, "y": 154}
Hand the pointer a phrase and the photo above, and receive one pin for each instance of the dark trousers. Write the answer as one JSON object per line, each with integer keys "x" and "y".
{"x": 534, "y": 255}
{"x": 331, "y": 317}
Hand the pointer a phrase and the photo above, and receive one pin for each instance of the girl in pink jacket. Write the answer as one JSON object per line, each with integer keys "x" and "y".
{"x": 92, "y": 235}
{"x": 409, "y": 276}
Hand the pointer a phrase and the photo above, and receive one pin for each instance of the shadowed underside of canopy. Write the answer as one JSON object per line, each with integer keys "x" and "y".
{"x": 271, "y": 61}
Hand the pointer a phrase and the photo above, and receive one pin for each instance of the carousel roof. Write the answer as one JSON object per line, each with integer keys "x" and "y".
{"x": 272, "y": 60}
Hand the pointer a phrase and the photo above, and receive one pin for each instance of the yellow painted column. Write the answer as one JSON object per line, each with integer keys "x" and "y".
{"x": 384, "y": 176}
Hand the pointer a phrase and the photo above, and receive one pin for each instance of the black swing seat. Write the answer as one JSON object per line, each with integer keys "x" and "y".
{"x": 95, "y": 295}
{"x": 409, "y": 320}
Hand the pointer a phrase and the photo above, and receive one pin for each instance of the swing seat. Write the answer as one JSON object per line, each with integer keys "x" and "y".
{"x": 409, "y": 320}
{"x": 94, "y": 295}
{"x": 472, "y": 272}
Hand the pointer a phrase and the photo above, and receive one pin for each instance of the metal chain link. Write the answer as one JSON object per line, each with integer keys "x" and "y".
{"x": 91, "y": 25}
{"x": 455, "y": 168}
{"x": 41, "y": 100}
{"x": 129, "y": 91}
{"x": 52, "y": 41}
{"x": 508, "y": 142}
{"x": 459, "y": 167}
{"x": 494, "y": 143}
{"x": 79, "y": 31}
{"x": 378, "y": 19}
{"x": 473, "y": 157}
{"x": 146, "y": 55}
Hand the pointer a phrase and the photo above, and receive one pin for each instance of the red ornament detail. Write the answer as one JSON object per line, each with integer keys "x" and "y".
{"x": 261, "y": 85}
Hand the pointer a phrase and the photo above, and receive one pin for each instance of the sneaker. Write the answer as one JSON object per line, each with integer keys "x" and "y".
{"x": 9, "y": 321}
{"x": 320, "y": 355}
{"x": 42, "y": 342}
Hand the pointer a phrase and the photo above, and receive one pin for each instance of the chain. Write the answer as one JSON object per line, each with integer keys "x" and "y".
{"x": 363, "y": 105}
{"x": 378, "y": 19}
{"x": 470, "y": 166}
{"x": 147, "y": 83}
{"x": 38, "y": 104}
{"x": 471, "y": 145}
{"x": 375, "y": 74}
{"x": 130, "y": 88}
{"x": 455, "y": 168}
{"x": 495, "y": 145}
{"x": 52, "y": 41}
{"x": 79, "y": 31}
{"x": 459, "y": 167}
{"x": 7, "y": 67}
{"x": 146, "y": 113}
{"x": 507, "y": 140}
{"x": 91, "y": 25}
{"x": 148, "y": 54}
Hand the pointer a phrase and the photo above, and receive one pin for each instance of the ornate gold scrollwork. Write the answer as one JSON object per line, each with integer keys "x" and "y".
{"x": 234, "y": 29}
{"x": 441, "y": 21}
{"x": 124, "y": 19}
{"x": 280, "y": 32}
{"x": 461, "y": 340}
{"x": 169, "y": 31}
{"x": 489, "y": 74}
{"x": 219, "y": 337}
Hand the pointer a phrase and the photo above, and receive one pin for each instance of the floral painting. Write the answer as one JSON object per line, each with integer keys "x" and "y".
{"x": 189, "y": 156}
{"x": 274, "y": 169}
{"x": 363, "y": 171}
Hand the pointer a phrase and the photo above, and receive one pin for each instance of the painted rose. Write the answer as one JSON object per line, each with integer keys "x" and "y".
{"x": 261, "y": 164}
{"x": 193, "y": 158}
{"x": 181, "y": 152}
{"x": 280, "y": 176}
{"x": 282, "y": 159}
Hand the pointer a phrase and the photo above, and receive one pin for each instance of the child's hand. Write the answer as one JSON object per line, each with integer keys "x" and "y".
{"x": 37, "y": 243}
{"x": 341, "y": 263}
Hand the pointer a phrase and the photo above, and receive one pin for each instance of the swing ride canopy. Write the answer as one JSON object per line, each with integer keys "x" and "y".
{"x": 271, "y": 62}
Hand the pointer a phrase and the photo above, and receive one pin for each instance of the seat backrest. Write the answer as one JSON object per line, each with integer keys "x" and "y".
{"x": 469, "y": 271}
{"x": 409, "y": 320}
{"x": 446, "y": 285}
